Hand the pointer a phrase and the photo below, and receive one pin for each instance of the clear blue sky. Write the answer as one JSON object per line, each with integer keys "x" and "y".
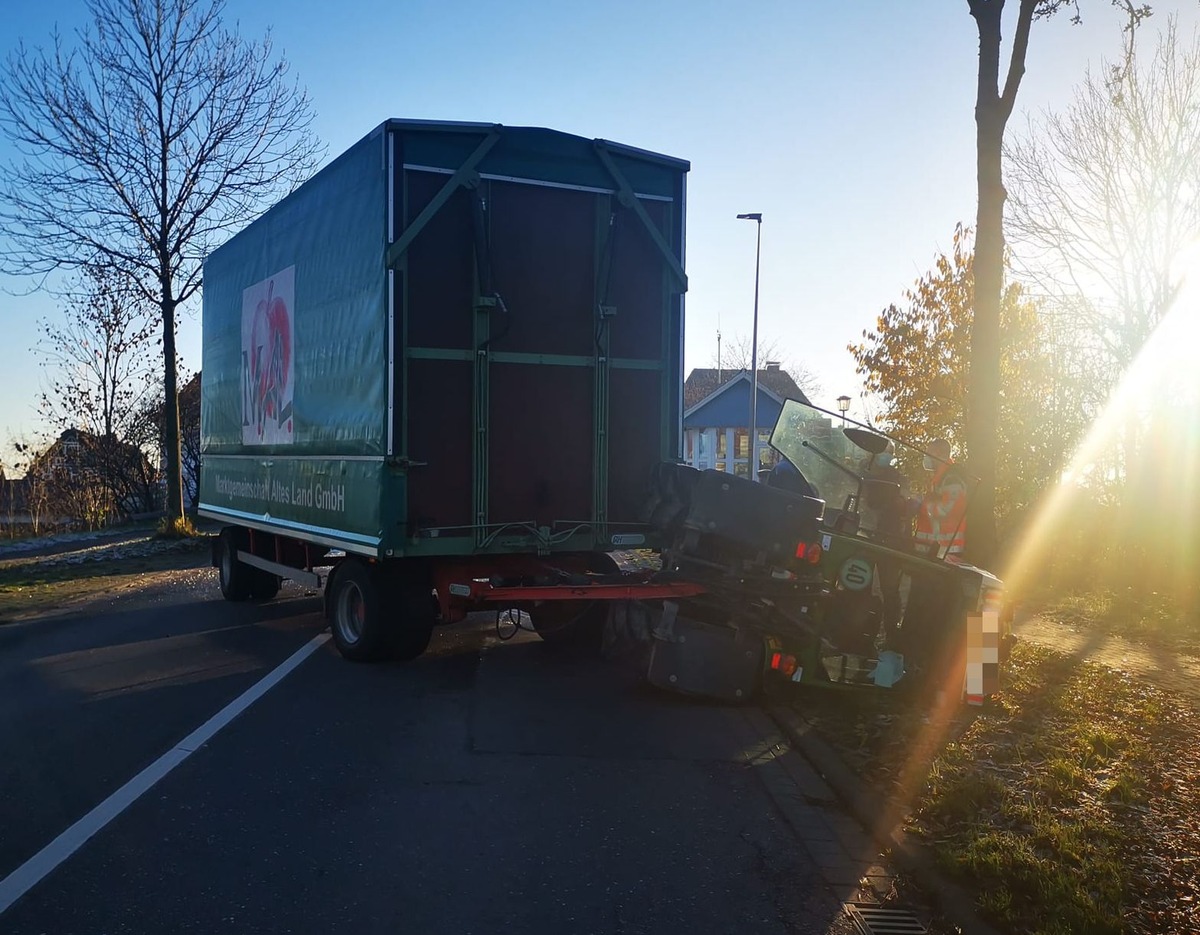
{"x": 849, "y": 125}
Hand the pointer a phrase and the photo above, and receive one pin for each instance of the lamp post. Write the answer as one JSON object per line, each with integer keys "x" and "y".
{"x": 843, "y": 407}
{"x": 753, "y": 466}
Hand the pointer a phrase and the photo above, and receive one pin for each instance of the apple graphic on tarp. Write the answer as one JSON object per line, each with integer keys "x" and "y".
{"x": 272, "y": 336}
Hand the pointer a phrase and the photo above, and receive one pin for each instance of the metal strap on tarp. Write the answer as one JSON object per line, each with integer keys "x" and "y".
{"x": 630, "y": 200}
{"x": 462, "y": 177}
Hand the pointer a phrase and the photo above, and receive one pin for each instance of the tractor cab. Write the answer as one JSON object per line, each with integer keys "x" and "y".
{"x": 888, "y": 610}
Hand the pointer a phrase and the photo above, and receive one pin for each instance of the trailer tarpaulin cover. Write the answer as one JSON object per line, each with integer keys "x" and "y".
{"x": 295, "y": 363}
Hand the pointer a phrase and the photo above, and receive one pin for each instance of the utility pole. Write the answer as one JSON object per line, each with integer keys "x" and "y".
{"x": 757, "y": 218}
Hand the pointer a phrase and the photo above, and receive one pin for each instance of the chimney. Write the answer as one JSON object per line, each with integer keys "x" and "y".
{"x": 772, "y": 365}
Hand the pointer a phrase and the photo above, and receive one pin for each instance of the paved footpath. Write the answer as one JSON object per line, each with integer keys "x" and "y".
{"x": 1172, "y": 671}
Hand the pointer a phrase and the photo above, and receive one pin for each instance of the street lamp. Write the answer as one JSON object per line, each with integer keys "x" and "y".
{"x": 757, "y": 218}
{"x": 843, "y": 407}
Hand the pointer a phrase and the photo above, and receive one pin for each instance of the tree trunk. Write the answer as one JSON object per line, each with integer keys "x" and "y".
{"x": 170, "y": 434}
{"x": 983, "y": 385}
{"x": 983, "y": 377}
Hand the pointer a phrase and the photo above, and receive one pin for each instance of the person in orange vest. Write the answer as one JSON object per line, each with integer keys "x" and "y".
{"x": 942, "y": 515}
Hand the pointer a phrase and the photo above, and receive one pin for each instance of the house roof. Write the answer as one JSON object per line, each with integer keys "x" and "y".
{"x": 742, "y": 376}
{"x": 79, "y": 448}
{"x": 703, "y": 382}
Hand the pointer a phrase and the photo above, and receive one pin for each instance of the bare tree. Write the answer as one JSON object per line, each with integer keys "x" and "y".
{"x": 8, "y": 501}
{"x": 37, "y": 494}
{"x": 993, "y": 106}
{"x": 77, "y": 491}
{"x": 142, "y": 145}
{"x": 100, "y": 359}
{"x": 1106, "y": 194}
{"x": 735, "y": 356}
{"x": 99, "y": 356}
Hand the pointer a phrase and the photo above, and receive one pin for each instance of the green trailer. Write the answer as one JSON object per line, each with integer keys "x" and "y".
{"x": 455, "y": 352}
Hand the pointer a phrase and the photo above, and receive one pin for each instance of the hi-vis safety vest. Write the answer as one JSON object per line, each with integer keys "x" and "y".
{"x": 942, "y": 518}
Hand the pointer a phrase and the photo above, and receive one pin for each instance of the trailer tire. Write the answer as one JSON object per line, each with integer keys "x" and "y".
{"x": 376, "y": 616}
{"x": 264, "y": 586}
{"x": 570, "y": 625}
{"x": 236, "y": 578}
{"x": 356, "y": 616}
{"x": 416, "y": 612}
{"x": 576, "y": 625}
{"x": 602, "y": 563}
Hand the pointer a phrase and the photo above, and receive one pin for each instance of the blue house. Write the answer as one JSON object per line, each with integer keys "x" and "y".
{"x": 717, "y": 413}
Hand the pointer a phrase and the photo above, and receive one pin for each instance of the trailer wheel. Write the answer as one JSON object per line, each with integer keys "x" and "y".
{"x": 264, "y": 585}
{"x": 577, "y": 625}
{"x": 236, "y": 578}
{"x": 570, "y": 624}
{"x": 416, "y": 611}
{"x": 602, "y": 563}
{"x": 356, "y": 617}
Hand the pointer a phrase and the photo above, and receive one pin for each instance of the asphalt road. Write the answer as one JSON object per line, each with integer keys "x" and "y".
{"x": 485, "y": 788}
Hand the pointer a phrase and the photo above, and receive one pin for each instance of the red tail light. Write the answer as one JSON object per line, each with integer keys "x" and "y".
{"x": 784, "y": 664}
{"x": 809, "y": 552}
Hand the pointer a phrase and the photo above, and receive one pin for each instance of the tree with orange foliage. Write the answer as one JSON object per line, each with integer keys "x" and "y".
{"x": 916, "y": 359}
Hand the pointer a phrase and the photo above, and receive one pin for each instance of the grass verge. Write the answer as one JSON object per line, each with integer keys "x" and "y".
{"x": 32, "y": 588}
{"x": 179, "y": 528}
{"x": 1072, "y": 804}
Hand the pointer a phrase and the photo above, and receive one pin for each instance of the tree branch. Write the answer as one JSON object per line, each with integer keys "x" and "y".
{"x": 1016, "y": 63}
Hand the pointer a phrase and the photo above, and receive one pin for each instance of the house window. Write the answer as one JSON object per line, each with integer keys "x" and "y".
{"x": 766, "y": 454}
{"x": 721, "y": 446}
{"x": 743, "y": 443}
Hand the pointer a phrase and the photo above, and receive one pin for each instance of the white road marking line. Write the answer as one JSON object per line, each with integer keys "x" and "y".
{"x": 41, "y": 864}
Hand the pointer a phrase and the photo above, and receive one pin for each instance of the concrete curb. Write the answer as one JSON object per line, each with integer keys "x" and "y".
{"x": 884, "y": 825}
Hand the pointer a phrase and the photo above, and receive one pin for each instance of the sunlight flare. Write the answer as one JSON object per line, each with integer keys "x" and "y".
{"x": 1153, "y": 415}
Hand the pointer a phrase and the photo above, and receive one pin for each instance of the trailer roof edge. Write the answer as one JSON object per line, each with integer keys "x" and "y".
{"x": 470, "y": 126}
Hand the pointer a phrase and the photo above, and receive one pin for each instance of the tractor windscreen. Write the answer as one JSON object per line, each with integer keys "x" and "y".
{"x": 857, "y": 470}
{"x": 816, "y": 446}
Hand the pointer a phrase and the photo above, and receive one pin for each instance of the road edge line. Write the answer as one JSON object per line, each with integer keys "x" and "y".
{"x": 45, "y": 861}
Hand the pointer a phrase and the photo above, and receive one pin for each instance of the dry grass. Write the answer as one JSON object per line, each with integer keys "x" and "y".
{"x": 1071, "y": 805}
{"x": 179, "y": 528}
